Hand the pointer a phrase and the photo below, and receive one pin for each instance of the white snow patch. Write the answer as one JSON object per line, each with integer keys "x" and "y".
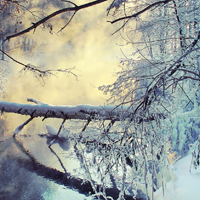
{"x": 185, "y": 185}
{"x": 53, "y": 132}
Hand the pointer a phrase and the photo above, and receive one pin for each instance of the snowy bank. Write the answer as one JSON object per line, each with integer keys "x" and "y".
{"x": 184, "y": 185}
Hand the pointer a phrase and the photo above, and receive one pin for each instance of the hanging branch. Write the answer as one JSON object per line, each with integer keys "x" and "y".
{"x": 68, "y": 9}
{"x": 86, "y": 125}
{"x": 39, "y": 73}
{"x": 36, "y": 70}
{"x": 77, "y": 8}
{"x": 67, "y": 22}
{"x": 20, "y": 127}
{"x": 140, "y": 12}
{"x": 56, "y": 137}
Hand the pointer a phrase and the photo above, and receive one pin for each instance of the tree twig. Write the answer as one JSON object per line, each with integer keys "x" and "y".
{"x": 40, "y": 73}
{"x": 67, "y": 22}
{"x": 140, "y": 12}
{"x": 20, "y": 127}
{"x": 35, "y": 25}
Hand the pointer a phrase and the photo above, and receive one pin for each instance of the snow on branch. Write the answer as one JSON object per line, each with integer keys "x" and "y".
{"x": 83, "y": 112}
{"x": 20, "y": 127}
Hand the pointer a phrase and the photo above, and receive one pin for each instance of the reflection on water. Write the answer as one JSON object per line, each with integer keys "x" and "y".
{"x": 16, "y": 182}
{"x": 28, "y": 167}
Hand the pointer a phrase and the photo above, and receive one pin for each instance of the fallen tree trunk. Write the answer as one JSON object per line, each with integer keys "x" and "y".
{"x": 83, "y": 112}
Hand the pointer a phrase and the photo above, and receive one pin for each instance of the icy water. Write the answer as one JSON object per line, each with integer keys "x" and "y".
{"x": 30, "y": 170}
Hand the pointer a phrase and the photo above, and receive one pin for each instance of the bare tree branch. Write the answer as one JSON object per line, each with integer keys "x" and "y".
{"x": 37, "y": 71}
{"x": 140, "y": 12}
{"x": 67, "y": 22}
{"x": 35, "y": 25}
{"x": 20, "y": 127}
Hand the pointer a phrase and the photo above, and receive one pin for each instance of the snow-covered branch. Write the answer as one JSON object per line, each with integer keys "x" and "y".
{"x": 83, "y": 112}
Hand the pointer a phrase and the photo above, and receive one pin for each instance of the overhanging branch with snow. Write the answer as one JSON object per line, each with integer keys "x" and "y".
{"x": 82, "y": 112}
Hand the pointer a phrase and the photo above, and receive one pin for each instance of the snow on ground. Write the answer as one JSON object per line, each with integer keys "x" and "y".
{"x": 184, "y": 185}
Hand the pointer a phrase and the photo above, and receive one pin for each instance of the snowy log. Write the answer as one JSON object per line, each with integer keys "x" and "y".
{"x": 83, "y": 112}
